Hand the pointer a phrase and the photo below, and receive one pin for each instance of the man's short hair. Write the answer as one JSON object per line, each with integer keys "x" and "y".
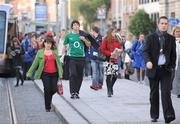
{"x": 73, "y": 22}
{"x": 162, "y": 17}
{"x": 95, "y": 29}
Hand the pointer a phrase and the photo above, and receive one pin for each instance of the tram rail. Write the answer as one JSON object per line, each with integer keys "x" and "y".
{"x": 12, "y": 112}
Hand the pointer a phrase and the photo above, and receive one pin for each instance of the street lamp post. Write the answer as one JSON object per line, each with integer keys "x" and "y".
{"x": 57, "y": 20}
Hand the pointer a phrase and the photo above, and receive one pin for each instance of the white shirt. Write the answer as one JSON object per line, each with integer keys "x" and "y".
{"x": 177, "y": 51}
{"x": 60, "y": 46}
{"x": 127, "y": 46}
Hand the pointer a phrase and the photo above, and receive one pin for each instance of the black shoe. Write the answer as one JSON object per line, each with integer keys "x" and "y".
{"x": 16, "y": 85}
{"x": 178, "y": 96}
{"x": 72, "y": 96}
{"x": 169, "y": 119}
{"x": 77, "y": 96}
{"x": 154, "y": 120}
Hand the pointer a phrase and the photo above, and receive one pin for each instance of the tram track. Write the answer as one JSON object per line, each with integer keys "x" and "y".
{"x": 12, "y": 112}
{"x": 23, "y": 104}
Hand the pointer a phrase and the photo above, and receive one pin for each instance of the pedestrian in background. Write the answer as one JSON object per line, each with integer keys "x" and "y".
{"x": 16, "y": 53}
{"x": 27, "y": 56}
{"x": 87, "y": 66}
{"x": 176, "y": 76}
{"x": 138, "y": 60}
{"x": 112, "y": 49}
{"x": 160, "y": 57}
{"x": 121, "y": 40}
{"x": 63, "y": 57}
{"x": 96, "y": 61}
{"x": 76, "y": 45}
{"x": 128, "y": 56}
{"x": 47, "y": 66}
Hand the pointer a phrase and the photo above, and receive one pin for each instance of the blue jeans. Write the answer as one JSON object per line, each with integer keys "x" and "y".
{"x": 87, "y": 68}
{"x": 97, "y": 72}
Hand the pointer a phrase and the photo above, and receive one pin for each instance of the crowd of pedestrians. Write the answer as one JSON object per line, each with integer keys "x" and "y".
{"x": 73, "y": 56}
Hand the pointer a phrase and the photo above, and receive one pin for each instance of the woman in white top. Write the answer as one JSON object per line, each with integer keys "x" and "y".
{"x": 176, "y": 82}
{"x": 127, "y": 57}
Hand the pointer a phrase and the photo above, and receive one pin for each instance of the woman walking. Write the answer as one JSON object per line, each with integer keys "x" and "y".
{"x": 47, "y": 66}
{"x": 176, "y": 82}
{"x": 138, "y": 60}
{"x": 16, "y": 53}
{"x": 112, "y": 49}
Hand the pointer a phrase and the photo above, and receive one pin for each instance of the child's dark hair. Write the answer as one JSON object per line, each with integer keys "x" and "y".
{"x": 73, "y": 22}
{"x": 51, "y": 40}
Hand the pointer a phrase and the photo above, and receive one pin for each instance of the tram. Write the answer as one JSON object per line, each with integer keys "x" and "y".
{"x": 8, "y": 30}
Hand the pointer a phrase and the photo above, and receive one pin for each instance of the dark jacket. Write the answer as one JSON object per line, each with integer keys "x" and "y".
{"x": 151, "y": 52}
{"x": 97, "y": 49}
{"x": 16, "y": 53}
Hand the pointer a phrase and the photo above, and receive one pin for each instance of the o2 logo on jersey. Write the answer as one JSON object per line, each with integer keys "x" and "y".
{"x": 76, "y": 44}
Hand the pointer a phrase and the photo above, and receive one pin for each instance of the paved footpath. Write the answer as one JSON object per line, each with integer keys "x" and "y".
{"x": 129, "y": 104}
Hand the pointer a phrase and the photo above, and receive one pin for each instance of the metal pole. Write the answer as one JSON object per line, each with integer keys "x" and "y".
{"x": 57, "y": 18}
{"x": 101, "y": 26}
{"x": 69, "y": 11}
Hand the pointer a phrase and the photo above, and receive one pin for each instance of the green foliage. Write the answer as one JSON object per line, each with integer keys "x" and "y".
{"x": 87, "y": 11}
{"x": 140, "y": 22}
{"x": 88, "y": 8}
{"x": 75, "y": 9}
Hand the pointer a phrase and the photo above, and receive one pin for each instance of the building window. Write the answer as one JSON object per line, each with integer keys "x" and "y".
{"x": 143, "y": 1}
{"x": 154, "y": 16}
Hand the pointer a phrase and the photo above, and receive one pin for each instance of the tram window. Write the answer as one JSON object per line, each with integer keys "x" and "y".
{"x": 2, "y": 30}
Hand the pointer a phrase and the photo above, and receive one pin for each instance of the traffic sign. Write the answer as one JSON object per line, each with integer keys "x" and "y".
{"x": 174, "y": 21}
{"x": 101, "y": 13}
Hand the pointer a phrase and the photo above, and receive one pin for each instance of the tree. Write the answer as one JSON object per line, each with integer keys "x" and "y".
{"x": 88, "y": 8}
{"x": 141, "y": 22}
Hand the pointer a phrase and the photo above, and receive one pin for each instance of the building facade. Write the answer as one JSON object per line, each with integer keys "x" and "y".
{"x": 170, "y": 8}
{"x": 37, "y": 15}
{"x": 122, "y": 10}
{"x": 147, "y": 5}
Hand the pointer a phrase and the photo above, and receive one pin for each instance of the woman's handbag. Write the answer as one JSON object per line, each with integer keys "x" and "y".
{"x": 60, "y": 88}
{"x": 110, "y": 68}
{"x": 129, "y": 69}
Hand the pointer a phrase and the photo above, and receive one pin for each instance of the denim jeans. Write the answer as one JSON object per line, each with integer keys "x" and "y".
{"x": 87, "y": 68}
{"x": 97, "y": 72}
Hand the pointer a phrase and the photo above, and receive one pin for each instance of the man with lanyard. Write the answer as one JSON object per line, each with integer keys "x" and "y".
{"x": 160, "y": 57}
